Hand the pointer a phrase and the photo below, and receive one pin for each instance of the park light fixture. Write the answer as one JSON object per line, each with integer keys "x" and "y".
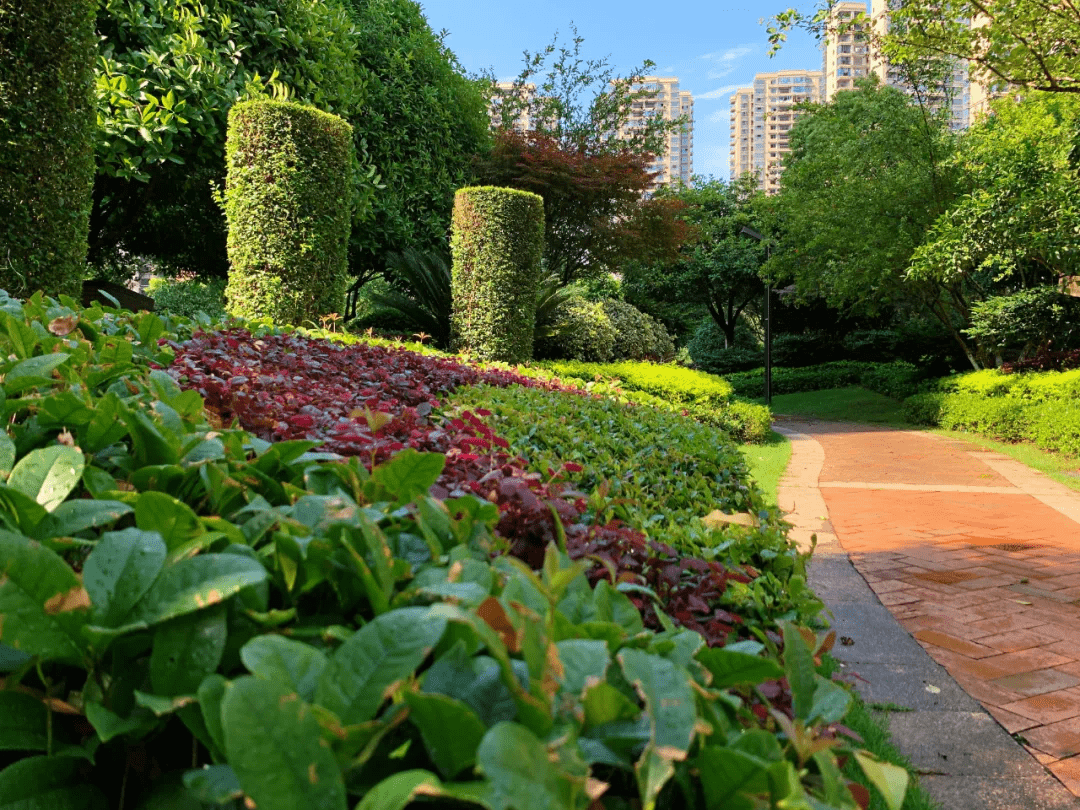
{"x": 750, "y": 232}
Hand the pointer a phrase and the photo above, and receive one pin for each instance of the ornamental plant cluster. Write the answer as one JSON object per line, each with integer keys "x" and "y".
{"x": 46, "y": 142}
{"x": 288, "y": 201}
{"x": 195, "y": 614}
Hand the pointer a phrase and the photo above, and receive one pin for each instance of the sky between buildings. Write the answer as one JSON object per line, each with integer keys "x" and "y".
{"x": 712, "y": 47}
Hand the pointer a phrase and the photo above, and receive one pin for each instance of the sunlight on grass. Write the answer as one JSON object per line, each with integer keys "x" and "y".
{"x": 767, "y": 462}
{"x": 840, "y": 404}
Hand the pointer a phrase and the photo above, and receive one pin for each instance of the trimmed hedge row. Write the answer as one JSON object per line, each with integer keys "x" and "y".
{"x": 1040, "y": 408}
{"x": 897, "y": 380}
{"x": 288, "y": 200}
{"x": 700, "y": 396}
{"x": 46, "y": 143}
{"x": 497, "y": 241}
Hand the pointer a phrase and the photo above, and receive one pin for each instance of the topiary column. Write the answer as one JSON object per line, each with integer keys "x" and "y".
{"x": 288, "y": 201}
{"x": 47, "y": 125}
{"x": 497, "y": 242}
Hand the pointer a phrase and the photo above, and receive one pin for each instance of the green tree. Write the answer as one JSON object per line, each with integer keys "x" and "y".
{"x": 170, "y": 70}
{"x": 718, "y": 271}
{"x": 867, "y": 176}
{"x": 1017, "y": 218}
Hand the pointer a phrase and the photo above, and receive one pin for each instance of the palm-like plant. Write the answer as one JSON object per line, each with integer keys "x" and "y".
{"x": 421, "y": 292}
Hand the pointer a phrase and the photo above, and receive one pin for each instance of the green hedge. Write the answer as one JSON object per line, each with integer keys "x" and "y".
{"x": 46, "y": 143}
{"x": 1043, "y": 408}
{"x": 606, "y": 330}
{"x": 497, "y": 242}
{"x": 896, "y": 380}
{"x": 288, "y": 200}
{"x": 679, "y": 390}
{"x": 189, "y": 297}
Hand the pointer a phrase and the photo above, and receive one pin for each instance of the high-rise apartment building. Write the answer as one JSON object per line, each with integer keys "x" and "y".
{"x": 527, "y": 93}
{"x": 953, "y": 94}
{"x": 761, "y": 120}
{"x": 667, "y": 101}
{"x": 846, "y": 56}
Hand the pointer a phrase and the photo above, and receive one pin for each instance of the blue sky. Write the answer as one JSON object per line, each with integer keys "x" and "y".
{"x": 713, "y": 48}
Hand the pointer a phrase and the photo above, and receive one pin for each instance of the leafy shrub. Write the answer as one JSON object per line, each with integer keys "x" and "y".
{"x": 47, "y": 129}
{"x": 637, "y": 336}
{"x": 806, "y": 349}
{"x": 676, "y": 384}
{"x": 1022, "y": 322}
{"x": 581, "y": 331}
{"x": 840, "y": 374}
{"x": 288, "y": 201}
{"x": 1045, "y": 360}
{"x": 708, "y": 352}
{"x": 497, "y": 241}
{"x": 1036, "y": 407}
{"x": 420, "y": 292}
{"x": 188, "y": 297}
{"x": 897, "y": 380}
{"x": 871, "y": 345}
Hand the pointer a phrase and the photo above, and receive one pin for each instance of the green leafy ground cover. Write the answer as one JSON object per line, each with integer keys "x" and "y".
{"x": 196, "y": 617}
{"x": 704, "y": 397}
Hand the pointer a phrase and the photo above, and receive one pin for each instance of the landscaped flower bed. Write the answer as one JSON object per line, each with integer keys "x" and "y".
{"x": 196, "y": 616}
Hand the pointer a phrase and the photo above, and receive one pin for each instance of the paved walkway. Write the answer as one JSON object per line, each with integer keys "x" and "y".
{"x": 978, "y": 557}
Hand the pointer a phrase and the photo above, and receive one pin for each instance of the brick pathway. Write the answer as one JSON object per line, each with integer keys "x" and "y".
{"x": 975, "y": 554}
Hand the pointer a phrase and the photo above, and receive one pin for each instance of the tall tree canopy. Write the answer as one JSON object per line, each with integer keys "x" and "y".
{"x": 719, "y": 270}
{"x": 169, "y": 70}
{"x": 580, "y": 155}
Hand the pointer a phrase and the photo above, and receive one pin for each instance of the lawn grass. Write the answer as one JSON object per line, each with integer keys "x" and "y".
{"x": 851, "y": 404}
{"x": 767, "y": 462}
{"x": 872, "y": 727}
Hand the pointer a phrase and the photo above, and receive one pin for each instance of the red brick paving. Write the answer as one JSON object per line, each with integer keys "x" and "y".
{"x": 988, "y": 582}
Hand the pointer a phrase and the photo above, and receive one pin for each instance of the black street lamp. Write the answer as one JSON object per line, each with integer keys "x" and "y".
{"x": 768, "y": 317}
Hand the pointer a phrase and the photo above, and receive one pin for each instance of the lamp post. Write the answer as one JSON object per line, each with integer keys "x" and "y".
{"x": 768, "y": 316}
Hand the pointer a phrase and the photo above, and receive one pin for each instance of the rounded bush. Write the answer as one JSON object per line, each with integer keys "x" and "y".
{"x": 707, "y": 351}
{"x": 582, "y": 331}
{"x": 47, "y": 125}
{"x": 637, "y": 335}
{"x": 497, "y": 241}
{"x": 288, "y": 201}
{"x": 190, "y": 296}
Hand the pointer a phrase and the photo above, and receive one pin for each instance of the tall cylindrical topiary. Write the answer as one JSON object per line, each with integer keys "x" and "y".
{"x": 497, "y": 242}
{"x": 47, "y": 125}
{"x": 288, "y": 202}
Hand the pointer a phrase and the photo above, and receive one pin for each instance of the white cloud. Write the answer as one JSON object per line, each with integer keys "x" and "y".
{"x": 719, "y": 92}
{"x": 724, "y": 62}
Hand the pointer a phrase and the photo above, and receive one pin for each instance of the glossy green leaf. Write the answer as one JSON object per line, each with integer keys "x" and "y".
{"x": 174, "y": 520}
{"x": 380, "y": 654}
{"x": 583, "y": 661}
{"x": 522, "y": 775}
{"x": 43, "y": 606}
{"x": 211, "y": 694}
{"x": 451, "y": 731}
{"x": 606, "y": 704}
{"x": 78, "y": 515}
{"x": 799, "y": 668}
{"x": 727, "y": 775}
{"x": 398, "y": 791}
{"x": 890, "y": 780}
{"x": 120, "y": 570}
{"x": 738, "y": 669}
{"x": 47, "y": 783}
{"x": 831, "y": 701}
{"x": 409, "y": 474}
{"x": 292, "y": 663}
{"x": 7, "y": 453}
{"x": 12, "y": 659}
{"x": 22, "y": 723}
{"x": 668, "y": 696}
{"x": 33, "y": 371}
{"x": 213, "y": 784}
{"x": 194, "y": 584}
{"x": 186, "y": 650}
{"x": 274, "y": 744}
{"x": 48, "y": 474}
{"x": 108, "y": 724}
{"x": 21, "y": 512}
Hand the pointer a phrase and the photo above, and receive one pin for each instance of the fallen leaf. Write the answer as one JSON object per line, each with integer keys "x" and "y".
{"x": 716, "y": 519}
{"x": 933, "y": 690}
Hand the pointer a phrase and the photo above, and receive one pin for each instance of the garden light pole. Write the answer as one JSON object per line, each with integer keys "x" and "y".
{"x": 768, "y": 317}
